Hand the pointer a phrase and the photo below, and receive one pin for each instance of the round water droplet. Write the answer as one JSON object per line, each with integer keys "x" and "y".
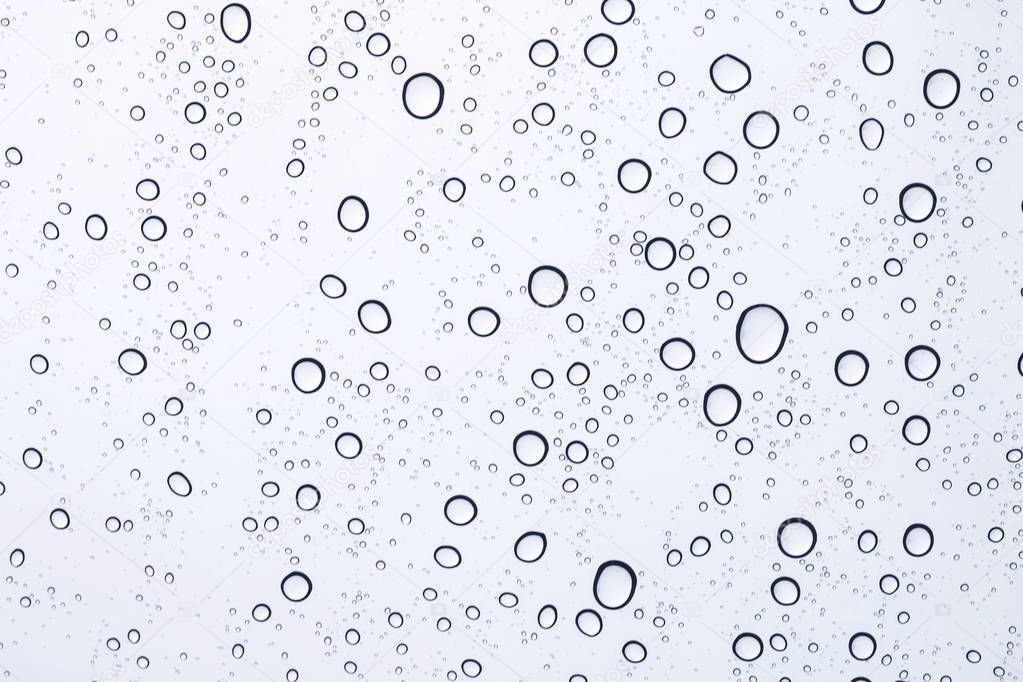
{"x": 618, "y": 12}
{"x": 941, "y": 88}
{"x": 460, "y": 510}
{"x": 634, "y": 652}
{"x": 530, "y": 448}
{"x": 916, "y": 430}
{"x": 721, "y": 404}
{"x": 851, "y": 367}
{"x": 862, "y": 646}
{"x": 547, "y": 286}
{"x": 918, "y": 540}
{"x": 348, "y": 445}
{"x": 147, "y": 189}
{"x": 922, "y": 362}
{"x": 454, "y": 189}
{"x": 747, "y": 647}
{"x": 867, "y": 6}
{"x": 39, "y": 364}
{"x": 484, "y": 321}
{"x": 308, "y": 375}
{"x": 543, "y": 53}
{"x": 867, "y": 541}
{"x": 633, "y": 175}
{"x": 307, "y": 497}
{"x": 423, "y": 95}
{"x": 677, "y": 354}
{"x": 785, "y": 591}
{"x": 600, "y": 50}
{"x": 760, "y": 129}
{"x": 796, "y": 537}
{"x": 296, "y": 586}
{"x": 633, "y": 320}
{"x": 154, "y": 228}
{"x": 917, "y": 202}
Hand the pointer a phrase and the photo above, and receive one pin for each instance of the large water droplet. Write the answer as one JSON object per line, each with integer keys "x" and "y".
{"x": 796, "y": 537}
{"x": 760, "y": 333}
{"x": 941, "y": 88}
{"x": 308, "y": 375}
{"x": 729, "y": 73}
{"x": 547, "y": 286}
{"x": 614, "y": 584}
{"x": 423, "y": 95}
{"x": 296, "y": 586}
{"x": 235, "y": 22}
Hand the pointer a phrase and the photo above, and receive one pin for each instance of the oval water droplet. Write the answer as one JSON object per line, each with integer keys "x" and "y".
{"x": 614, "y": 584}
{"x": 179, "y": 484}
{"x": 530, "y": 547}
{"x": 871, "y": 134}
{"x": 235, "y": 22}
{"x": 760, "y": 333}
{"x": 374, "y": 317}
{"x": 132, "y": 362}
{"x": 353, "y": 213}
{"x": 877, "y": 58}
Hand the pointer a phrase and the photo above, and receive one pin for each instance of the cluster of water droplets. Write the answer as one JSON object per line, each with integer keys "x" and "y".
{"x": 578, "y": 341}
